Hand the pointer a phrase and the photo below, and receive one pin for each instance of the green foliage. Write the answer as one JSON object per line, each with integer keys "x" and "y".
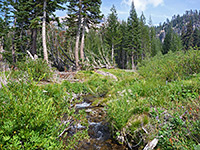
{"x": 37, "y": 69}
{"x": 196, "y": 38}
{"x": 112, "y": 34}
{"x": 99, "y": 86}
{"x": 29, "y": 120}
{"x": 173, "y": 66}
{"x": 77, "y": 88}
{"x": 178, "y": 127}
{"x": 133, "y": 35}
{"x": 169, "y": 111}
{"x": 32, "y": 116}
{"x": 187, "y": 37}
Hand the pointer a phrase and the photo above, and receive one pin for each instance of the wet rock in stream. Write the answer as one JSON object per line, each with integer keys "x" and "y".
{"x": 99, "y": 132}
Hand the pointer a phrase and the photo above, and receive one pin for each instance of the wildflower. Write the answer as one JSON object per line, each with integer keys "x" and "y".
{"x": 190, "y": 108}
{"x": 14, "y": 132}
{"x": 170, "y": 140}
{"x": 197, "y": 109}
{"x": 189, "y": 112}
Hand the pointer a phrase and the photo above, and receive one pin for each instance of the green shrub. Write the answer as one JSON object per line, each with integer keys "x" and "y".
{"x": 99, "y": 86}
{"x": 172, "y": 66}
{"x": 37, "y": 69}
{"x": 77, "y": 87}
{"x": 31, "y": 116}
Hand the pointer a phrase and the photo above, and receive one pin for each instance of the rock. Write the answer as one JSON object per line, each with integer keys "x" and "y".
{"x": 151, "y": 145}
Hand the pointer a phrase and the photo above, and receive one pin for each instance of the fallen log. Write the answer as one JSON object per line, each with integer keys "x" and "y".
{"x": 107, "y": 74}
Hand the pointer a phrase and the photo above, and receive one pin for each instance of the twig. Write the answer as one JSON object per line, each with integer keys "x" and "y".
{"x": 65, "y": 130}
{"x": 30, "y": 55}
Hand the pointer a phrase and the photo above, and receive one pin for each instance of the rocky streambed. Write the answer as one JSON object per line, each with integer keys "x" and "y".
{"x": 100, "y": 137}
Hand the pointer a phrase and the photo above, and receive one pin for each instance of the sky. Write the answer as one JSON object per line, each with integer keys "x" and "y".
{"x": 158, "y": 10}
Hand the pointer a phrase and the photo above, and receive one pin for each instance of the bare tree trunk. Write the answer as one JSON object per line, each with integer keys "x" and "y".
{"x": 132, "y": 61}
{"x": 1, "y": 49}
{"x": 112, "y": 55}
{"x": 78, "y": 36}
{"x": 13, "y": 39}
{"x": 34, "y": 41}
{"x": 82, "y": 41}
{"x": 127, "y": 60}
{"x": 123, "y": 59}
{"x": 44, "y": 32}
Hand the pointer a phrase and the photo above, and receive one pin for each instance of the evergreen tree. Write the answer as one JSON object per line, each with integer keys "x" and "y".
{"x": 122, "y": 46}
{"x": 27, "y": 16}
{"x": 82, "y": 13}
{"x": 187, "y": 37}
{"x": 91, "y": 16}
{"x": 154, "y": 44}
{"x": 133, "y": 34}
{"x": 145, "y": 39}
{"x": 112, "y": 35}
{"x": 176, "y": 43}
{"x": 196, "y": 38}
{"x": 4, "y": 25}
{"x": 167, "y": 42}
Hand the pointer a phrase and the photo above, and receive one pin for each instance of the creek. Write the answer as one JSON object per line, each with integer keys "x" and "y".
{"x": 100, "y": 137}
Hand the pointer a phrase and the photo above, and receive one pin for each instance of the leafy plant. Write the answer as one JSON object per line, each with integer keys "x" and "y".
{"x": 31, "y": 116}
{"x": 36, "y": 69}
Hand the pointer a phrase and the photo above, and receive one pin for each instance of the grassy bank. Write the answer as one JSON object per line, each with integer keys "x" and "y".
{"x": 160, "y": 100}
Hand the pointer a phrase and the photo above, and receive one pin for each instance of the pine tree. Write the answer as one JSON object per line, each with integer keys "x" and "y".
{"x": 82, "y": 13}
{"x": 91, "y": 16}
{"x": 176, "y": 43}
{"x": 44, "y": 31}
{"x": 28, "y": 14}
{"x": 7, "y": 31}
{"x": 167, "y": 42}
{"x": 123, "y": 45}
{"x": 187, "y": 37}
{"x": 196, "y": 38}
{"x": 4, "y": 27}
{"x": 112, "y": 38}
{"x": 154, "y": 44}
{"x": 145, "y": 39}
{"x": 134, "y": 43}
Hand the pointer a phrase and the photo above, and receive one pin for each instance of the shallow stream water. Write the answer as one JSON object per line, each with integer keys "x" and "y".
{"x": 99, "y": 132}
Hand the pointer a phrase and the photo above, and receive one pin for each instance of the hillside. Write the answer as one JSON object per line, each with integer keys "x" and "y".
{"x": 179, "y": 23}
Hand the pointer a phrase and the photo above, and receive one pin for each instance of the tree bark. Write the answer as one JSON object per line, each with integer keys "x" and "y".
{"x": 123, "y": 59}
{"x": 34, "y": 41}
{"x": 78, "y": 36}
{"x": 132, "y": 61}
{"x": 112, "y": 55}
{"x": 82, "y": 41}
{"x": 13, "y": 39}
{"x": 44, "y": 32}
{"x": 1, "y": 49}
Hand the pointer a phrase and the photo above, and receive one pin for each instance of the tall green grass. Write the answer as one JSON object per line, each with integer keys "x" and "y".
{"x": 172, "y": 66}
{"x": 168, "y": 111}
